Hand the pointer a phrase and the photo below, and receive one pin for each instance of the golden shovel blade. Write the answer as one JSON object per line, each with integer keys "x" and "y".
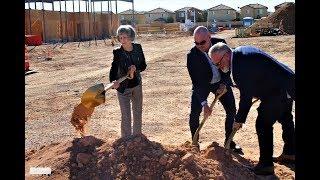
{"x": 94, "y": 96}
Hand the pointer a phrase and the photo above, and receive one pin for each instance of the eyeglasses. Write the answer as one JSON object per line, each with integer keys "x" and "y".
{"x": 219, "y": 62}
{"x": 200, "y": 43}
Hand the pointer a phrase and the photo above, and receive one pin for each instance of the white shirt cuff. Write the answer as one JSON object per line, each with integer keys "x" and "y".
{"x": 288, "y": 96}
{"x": 203, "y": 103}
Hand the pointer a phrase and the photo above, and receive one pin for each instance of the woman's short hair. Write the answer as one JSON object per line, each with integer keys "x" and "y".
{"x": 128, "y": 30}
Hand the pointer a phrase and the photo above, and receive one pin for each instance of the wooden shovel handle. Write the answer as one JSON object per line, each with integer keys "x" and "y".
{"x": 196, "y": 134}
{"x": 110, "y": 85}
{"x": 230, "y": 138}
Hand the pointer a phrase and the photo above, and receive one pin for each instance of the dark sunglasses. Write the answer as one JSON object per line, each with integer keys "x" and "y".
{"x": 200, "y": 43}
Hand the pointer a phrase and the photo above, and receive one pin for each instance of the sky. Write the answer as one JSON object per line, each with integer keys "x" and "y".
{"x": 147, "y": 5}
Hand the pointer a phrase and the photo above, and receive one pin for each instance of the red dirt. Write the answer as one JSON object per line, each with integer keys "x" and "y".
{"x": 138, "y": 158}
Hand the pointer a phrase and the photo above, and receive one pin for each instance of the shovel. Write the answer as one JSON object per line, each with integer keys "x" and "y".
{"x": 196, "y": 134}
{"x": 91, "y": 98}
{"x": 230, "y": 138}
{"x": 95, "y": 95}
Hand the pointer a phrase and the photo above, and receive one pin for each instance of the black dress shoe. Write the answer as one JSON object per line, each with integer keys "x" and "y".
{"x": 283, "y": 158}
{"x": 260, "y": 169}
{"x": 265, "y": 170}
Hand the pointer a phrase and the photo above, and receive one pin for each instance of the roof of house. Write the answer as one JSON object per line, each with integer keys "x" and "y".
{"x": 129, "y": 11}
{"x": 282, "y": 4}
{"x": 160, "y": 10}
{"x": 187, "y": 8}
{"x": 221, "y": 7}
{"x": 255, "y": 6}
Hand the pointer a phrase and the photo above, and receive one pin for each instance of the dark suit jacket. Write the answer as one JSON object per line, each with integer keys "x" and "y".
{"x": 121, "y": 62}
{"x": 200, "y": 72}
{"x": 259, "y": 75}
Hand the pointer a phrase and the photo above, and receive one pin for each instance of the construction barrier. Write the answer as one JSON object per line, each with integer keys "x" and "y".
{"x": 157, "y": 28}
{"x": 33, "y": 40}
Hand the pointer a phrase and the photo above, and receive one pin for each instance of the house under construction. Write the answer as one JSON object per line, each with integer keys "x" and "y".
{"x": 61, "y": 26}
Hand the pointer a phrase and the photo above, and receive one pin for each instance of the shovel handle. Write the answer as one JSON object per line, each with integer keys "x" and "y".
{"x": 196, "y": 134}
{"x": 122, "y": 79}
{"x": 227, "y": 145}
{"x": 230, "y": 138}
{"x": 110, "y": 85}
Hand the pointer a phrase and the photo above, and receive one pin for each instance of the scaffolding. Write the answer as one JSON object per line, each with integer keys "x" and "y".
{"x": 89, "y": 9}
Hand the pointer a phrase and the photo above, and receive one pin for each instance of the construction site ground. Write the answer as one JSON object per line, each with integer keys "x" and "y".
{"x": 56, "y": 87}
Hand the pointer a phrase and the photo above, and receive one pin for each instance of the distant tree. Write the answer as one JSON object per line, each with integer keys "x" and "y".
{"x": 169, "y": 19}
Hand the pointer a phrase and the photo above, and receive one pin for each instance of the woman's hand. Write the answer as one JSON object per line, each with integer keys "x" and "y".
{"x": 116, "y": 84}
{"x": 131, "y": 71}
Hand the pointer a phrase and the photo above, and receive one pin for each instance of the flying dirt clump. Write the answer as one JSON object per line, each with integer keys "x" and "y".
{"x": 80, "y": 117}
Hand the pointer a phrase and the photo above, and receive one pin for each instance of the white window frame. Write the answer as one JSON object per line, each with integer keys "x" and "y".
{"x": 228, "y": 12}
{"x": 247, "y": 11}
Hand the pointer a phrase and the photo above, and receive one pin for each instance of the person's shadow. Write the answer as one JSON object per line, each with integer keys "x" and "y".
{"x": 83, "y": 162}
{"x": 290, "y": 165}
{"x": 232, "y": 165}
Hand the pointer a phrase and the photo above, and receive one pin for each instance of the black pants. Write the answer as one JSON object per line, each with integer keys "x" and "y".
{"x": 269, "y": 111}
{"x": 228, "y": 103}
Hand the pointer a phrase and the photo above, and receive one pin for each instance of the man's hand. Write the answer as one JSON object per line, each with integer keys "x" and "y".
{"x": 237, "y": 126}
{"x": 222, "y": 87}
{"x": 206, "y": 111}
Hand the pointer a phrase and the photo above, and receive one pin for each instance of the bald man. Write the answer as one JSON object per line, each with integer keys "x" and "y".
{"x": 206, "y": 78}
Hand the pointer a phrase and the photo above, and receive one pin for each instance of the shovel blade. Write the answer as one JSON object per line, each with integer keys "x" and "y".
{"x": 93, "y": 96}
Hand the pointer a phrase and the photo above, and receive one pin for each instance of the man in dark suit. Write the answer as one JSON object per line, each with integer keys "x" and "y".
{"x": 206, "y": 78}
{"x": 259, "y": 75}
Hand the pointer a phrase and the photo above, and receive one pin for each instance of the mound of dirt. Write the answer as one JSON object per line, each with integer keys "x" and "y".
{"x": 283, "y": 18}
{"x": 136, "y": 158}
